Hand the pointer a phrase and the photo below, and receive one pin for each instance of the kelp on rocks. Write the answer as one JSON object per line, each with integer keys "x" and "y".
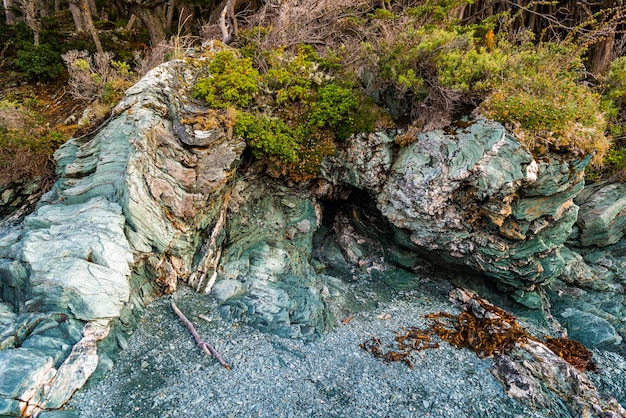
{"x": 486, "y": 331}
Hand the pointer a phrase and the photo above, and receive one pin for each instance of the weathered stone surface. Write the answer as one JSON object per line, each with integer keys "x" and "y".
{"x": 363, "y": 162}
{"x": 18, "y": 197}
{"x": 131, "y": 201}
{"x": 22, "y": 370}
{"x": 602, "y": 217}
{"x": 479, "y": 198}
{"x": 264, "y": 276}
{"x": 533, "y": 374}
{"x": 589, "y": 329}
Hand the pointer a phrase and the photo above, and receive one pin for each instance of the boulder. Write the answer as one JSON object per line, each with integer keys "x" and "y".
{"x": 589, "y": 329}
{"x": 602, "y": 216}
{"x": 479, "y": 198}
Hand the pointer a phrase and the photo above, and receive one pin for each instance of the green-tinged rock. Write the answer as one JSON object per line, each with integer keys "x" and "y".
{"x": 9, "y": 408}
{"x": 52, "y": 347}
{"x": 602, "y": 218}
{"x": 362, "y": 161}
{"x": 121, "y": 224}
{"x": 477, "y": 197}
{"x": 531, "y": 300}
{"x": 589, "y": 329}
{"x": 22, "y": 370}
{"x": 265, "y": 277}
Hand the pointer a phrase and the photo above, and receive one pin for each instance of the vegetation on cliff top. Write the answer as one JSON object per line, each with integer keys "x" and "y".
{"x": 291, "y": 114}
{"x": 542, "y": 70}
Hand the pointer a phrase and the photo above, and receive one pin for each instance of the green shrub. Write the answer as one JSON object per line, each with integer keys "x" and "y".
{"x": 541, "y": 99}
{"x": 39, "y": 62}
{"x": 615, "y": 82}
{"x": 533, "y": 89}
{"x": 26, "y": 145}
{"x": 302, "y": 111}
{"x": 267, "y": 135}
{"x": 232, "y": 81}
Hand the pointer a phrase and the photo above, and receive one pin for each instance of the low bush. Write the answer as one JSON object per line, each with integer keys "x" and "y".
{"x": 97, "y": 76}
{"x": 40, "y": 63}
{"x": 293, "y": 112}
{"x": 26, "y": 144}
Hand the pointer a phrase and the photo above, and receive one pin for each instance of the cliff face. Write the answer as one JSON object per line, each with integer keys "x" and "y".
{"x": 121, "y": 224}
{"x": 146, "y": 202}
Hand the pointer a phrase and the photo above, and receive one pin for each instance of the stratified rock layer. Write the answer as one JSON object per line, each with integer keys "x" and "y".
{"x": 129, "y": 207}
{"x": 602, "y": 218}
{"x": 265, "y": 277}
{"x": 480, "y": 199}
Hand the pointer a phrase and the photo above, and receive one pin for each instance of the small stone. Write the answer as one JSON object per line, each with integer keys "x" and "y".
{"x": 384, "y": 316}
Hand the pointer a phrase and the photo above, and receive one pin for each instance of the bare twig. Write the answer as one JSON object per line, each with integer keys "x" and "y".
{"x": 204, "y": 346}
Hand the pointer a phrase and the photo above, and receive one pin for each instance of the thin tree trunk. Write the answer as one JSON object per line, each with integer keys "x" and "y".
{"x": 170, "y": 15}
{"x": 76, "y": 15}
{"x": 154, "y": 22}
{"x": 86, "y": 12}
{"x": 31, "y": 21}
{"x": 131, "y": 22}
{"x": 601, "y": 54}
{"x": 93, "y": 9}
{"x": 8, "y": 12}
{"x": 57, "y": 6}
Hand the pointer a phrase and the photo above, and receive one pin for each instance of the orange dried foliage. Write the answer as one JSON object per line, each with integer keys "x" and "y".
{"x": 573, "y": 352}
{"x": 495, "y": 332}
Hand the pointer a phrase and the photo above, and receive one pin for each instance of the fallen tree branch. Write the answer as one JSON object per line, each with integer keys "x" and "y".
{"x": 204, "y": 346}
{"x": 212, "y": 256}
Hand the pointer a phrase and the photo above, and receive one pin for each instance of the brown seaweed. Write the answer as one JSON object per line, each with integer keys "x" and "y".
{"x": 493, "y": 331}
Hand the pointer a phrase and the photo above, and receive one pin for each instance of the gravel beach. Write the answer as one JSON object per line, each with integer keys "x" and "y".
{"x": 163, "y": 374}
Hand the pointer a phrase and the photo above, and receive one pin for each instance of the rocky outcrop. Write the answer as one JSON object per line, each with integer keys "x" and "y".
{"x": 602, "y": 217}
{"x": 533, "y": 374}
{"x": 265, "y": 277}
{"x": 131, "y": 204}
{"x": 474, "y": 195}
{"x": 146, "y": 201}
{"x": 19, "y": 196}
{"x": 588, "y": 297}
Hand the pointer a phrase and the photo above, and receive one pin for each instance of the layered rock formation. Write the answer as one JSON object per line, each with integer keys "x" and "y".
{"x": 474, "y": 196}
{"x": 146, "y": 202}
{"x": 121, "y": 224}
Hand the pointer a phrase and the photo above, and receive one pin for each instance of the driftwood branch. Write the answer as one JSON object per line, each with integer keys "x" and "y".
{"x": 204, "y": 346}
{"x": 212, "y": 257}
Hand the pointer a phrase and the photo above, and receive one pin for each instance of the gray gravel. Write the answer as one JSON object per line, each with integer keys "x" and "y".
{"x": 163, "y": 374}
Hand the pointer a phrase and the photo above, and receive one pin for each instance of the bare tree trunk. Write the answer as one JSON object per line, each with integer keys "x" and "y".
{"x": 93, "y": 9}
{"x": 86, "y": 12}
{"x": 57, "y": 6}
{"x": 131, "y": 22}
{"x": 228, "y": 22}
{"x": 170, "y": 15}
{"x": 31, "y": 21}
{"x": 601, "y": 54}
{"x": 8, "y": 12}
{"x": 154, "y": 22}
{"x": 76, "y": 16}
